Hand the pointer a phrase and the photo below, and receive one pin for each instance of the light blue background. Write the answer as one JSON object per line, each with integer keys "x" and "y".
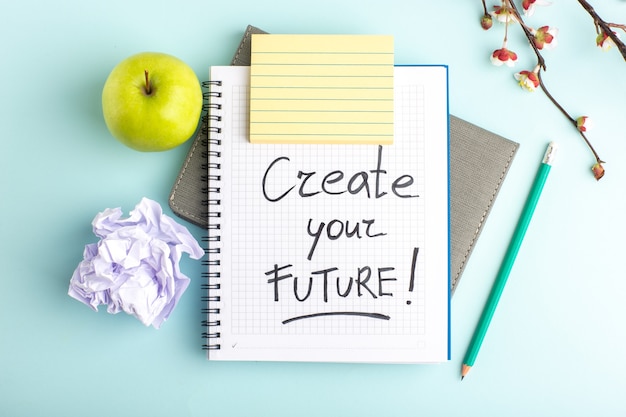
{"x": 556, "y": 345}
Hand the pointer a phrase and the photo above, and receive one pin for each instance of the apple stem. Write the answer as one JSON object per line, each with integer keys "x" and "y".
{"x": 148, "y": 86}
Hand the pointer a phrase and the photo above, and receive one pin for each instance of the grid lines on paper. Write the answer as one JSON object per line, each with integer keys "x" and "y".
{"x": 268, "y": 233}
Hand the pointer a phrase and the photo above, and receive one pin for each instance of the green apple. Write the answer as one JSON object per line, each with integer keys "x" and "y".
{"x": 152, "y": 102}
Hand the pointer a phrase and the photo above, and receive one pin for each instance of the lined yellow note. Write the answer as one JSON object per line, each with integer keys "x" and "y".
{"x": 321, "y": 89}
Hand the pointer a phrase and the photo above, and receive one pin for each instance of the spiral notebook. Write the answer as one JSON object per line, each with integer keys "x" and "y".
{"x": 479, "y": 162}
{"x": 334, "y": 253}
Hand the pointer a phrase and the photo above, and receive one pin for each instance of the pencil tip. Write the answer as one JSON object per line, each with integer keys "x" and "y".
{"x": 465, "y": 370}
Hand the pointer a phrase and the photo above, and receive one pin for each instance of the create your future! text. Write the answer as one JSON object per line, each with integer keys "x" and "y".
{"x": 367, "y": 281}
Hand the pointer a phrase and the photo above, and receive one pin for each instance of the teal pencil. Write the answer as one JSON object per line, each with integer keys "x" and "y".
{"x": 509, "y": 259}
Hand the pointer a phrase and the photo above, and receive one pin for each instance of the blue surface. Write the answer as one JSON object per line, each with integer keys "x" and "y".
{"x": 556, "y": 344}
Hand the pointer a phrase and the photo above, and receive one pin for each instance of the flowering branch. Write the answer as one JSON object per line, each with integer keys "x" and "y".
{"x": 597, "y": 168}
{"x": 604, "y": 29}
{"x": 545, "y": 37}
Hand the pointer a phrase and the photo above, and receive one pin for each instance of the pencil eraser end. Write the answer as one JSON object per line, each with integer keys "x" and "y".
{"x": 550, "y": 154}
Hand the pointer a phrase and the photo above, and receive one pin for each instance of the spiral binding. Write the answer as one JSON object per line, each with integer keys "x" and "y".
{"x": 213, "y": 143}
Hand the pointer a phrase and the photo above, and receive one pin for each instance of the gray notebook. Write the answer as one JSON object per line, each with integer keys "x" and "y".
{"x": 479, "y": 162}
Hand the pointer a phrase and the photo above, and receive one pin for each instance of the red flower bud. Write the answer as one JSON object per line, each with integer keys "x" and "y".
{"x": 486, "y": 21}
{"x": 583, "y": 123}
{"x": 598, "y": 170}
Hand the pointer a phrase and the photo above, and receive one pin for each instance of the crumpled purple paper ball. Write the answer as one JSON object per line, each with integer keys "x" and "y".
{"x": 134, "y": 267}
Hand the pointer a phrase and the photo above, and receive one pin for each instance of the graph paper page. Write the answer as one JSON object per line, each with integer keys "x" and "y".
{"x": 335, "y": 252}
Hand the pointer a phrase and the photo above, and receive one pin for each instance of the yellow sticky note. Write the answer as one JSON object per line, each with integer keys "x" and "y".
{"x": 321, "y": 89}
